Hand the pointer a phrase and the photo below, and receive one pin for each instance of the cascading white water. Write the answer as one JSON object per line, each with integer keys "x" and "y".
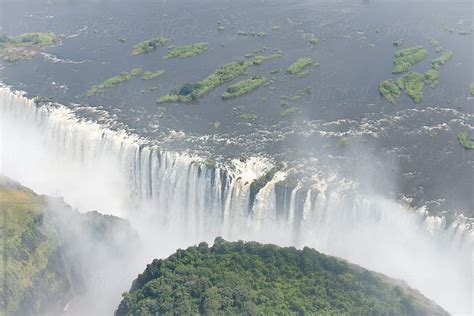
{"x": 175, "y": 199}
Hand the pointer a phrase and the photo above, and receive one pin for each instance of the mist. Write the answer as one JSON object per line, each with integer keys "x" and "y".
{"x": 172, "y": 202}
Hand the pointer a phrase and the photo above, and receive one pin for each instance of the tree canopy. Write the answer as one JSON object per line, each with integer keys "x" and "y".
{"x": 256, "y": 279}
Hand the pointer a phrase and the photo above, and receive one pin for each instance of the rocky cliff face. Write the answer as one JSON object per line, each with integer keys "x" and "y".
{"x": 44, "y": 247}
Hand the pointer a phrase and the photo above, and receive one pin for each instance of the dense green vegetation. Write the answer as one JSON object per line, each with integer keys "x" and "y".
{"x": 238, "y": 278}
{"x": 31, "y": 263}
{"x": 149, "y": 45}
{"x": 148, "y": 75}
{"x": 431, "y": 77}
{"x": 25, "y": 46}
{"x": 471, "y": 88}
{"x": 299, "y": 65}
{"x": 440, "y": 61}
{"x": 407, "y": 57}
{"x": 466, "y": 140}
{"x": 259, "y": 59}
{"x": 193, "y": 91}
{"x": 244, "y": 87}
{"x": 389, "y": 90}
{"x": 413, "y": 84}
{"x": 114, "y": 81}
{"x": 187, "y": 50}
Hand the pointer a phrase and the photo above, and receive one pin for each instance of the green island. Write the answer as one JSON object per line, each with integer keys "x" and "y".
{"x": 441, "y": 60}
{"x": 189, "y": 92}
{"x": 114, "y": 81}
{"x": 248, "y": 117}
{"x": 431, "y": 77}
{"x": 389, "y": 90}
{"x": 252, "y": 34}
{"x": 25, "y": 46}
{"x": 413, "y": 84}
{"x": 244, "y": 87}
{"x": 259, "y": 59}
{"x": 407, "y": 57}
{"x": 249, "y": 278}
{"x": 148, "y": 45}
{"x": 299, "y": 65}
{"x": 148, "y": 75}
{"x": 187, "y": 50}
{"x": 471, "y": 88}
{"x": 466, "y": 140}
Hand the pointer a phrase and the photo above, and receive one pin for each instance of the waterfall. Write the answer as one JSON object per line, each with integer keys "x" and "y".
{"x": 176, "y": 198}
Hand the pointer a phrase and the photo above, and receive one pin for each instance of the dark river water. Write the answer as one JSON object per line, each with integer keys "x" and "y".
{"x": 417, "y": 142}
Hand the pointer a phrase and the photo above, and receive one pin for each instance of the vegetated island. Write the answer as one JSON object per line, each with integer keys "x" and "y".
{"x": 413, "y": 83}
{"x": 407, "y": 57}
{"x": 466, "y": 140}
{"x": 244, "y": 87}
{"x": 252, "y": 34}
{"x": 249, "y": 278}
{"x": 148, "y": 75}
{"x": 189, "y": 92}
{"x": 187, "y": 50}
{"x": 297, "y": 68}
{"x": 25, "y": 46}
{"x": 148, "y": 45}
{"x": 259, "y": 59}
{"x": 114, "y": 81}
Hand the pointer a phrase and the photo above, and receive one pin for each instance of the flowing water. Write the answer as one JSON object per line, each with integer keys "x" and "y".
{"x": 175, "y": 199}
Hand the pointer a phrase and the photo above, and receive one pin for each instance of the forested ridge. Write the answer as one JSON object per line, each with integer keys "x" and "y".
{"x": 255, "y": 279}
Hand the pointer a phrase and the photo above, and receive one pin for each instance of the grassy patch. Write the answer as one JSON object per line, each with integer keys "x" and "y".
{"x": 259, "y": 59}
{"x": 149, "y": 45}
{"x": 288, "y": 111}
{"x": 252, "y": 34}
{"x": 441, "y": 60}
{"x": 431, "y": 77}
{"x": 389, "y": 90}
{"x": 413, "y": 84}
{"x": 299, "y": 65}
{"x": 25, "y": 46}
{"x": 114, "y": 81}
{"x": 187, "y": 50}
{"x": 148, "y": 75}
{"x": 248, "y": 117}
{"x": 193, "y": 91}
{"x": 407, "y": 57}
{"x": 466, "y": 140}
{"x": 244, "y": 87}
